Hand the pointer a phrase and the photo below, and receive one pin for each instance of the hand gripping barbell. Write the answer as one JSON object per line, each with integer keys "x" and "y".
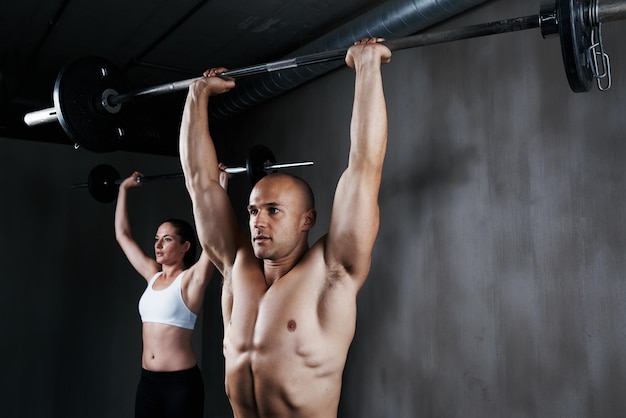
{"x": 104, "y": 180}
{"x": 88, "y": 92}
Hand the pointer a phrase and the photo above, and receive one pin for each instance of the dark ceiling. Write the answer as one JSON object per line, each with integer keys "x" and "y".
{"x": 151, "y": 42}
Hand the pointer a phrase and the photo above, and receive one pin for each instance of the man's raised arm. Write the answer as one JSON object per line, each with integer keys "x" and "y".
{"x": 214, "y": 217}
{"x": 355, "y": 214}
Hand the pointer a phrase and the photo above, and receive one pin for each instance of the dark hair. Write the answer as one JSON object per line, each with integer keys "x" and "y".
{"x": 186, "y": 233}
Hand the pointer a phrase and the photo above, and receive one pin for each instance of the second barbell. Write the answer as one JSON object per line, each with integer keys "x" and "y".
{"x": 104, "y": 180}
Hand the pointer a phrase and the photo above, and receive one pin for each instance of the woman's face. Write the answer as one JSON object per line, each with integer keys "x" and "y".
{"x": 168, "y": 248}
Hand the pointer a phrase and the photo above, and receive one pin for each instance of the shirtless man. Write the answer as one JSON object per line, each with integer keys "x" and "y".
{"x": 289, "y": 310}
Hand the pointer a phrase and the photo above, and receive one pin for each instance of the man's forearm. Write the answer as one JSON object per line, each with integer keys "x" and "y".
{"x": 197, "y": 151}
{"x": 368, "y": 129}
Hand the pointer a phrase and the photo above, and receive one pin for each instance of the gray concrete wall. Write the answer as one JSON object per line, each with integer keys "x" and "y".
{"x": 497, "y": 286}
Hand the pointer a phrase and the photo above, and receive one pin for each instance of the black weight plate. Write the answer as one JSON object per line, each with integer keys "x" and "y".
{"x": 77, "y": 98}
{"x": 101, "y": 183}
{"x": 575, "y": 43}
{"x": 258, "y": 156}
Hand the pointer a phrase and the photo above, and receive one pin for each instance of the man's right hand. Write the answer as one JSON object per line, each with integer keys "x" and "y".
{"x": 212, "y": 84}
{"x": 368, "y": 49}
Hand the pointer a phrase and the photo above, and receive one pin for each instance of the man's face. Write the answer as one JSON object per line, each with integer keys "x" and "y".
{"x": 276, "y": 215}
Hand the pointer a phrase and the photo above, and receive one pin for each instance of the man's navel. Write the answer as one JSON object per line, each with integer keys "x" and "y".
{"x": 291, "y": 325}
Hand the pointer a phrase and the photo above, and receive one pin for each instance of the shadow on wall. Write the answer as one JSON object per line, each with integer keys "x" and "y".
{"x": 440, "y": 166}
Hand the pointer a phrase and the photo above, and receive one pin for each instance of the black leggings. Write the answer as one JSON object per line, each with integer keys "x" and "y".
{"x": 170, "y": 394}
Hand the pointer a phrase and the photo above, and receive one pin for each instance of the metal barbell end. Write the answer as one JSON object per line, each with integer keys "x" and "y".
{"x": 287, "y": 165}
{"x": 267, "y": 167}
{"x": 40, "y": 117}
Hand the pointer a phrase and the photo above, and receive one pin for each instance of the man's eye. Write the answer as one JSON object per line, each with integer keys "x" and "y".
{"x": 273, "y": 210}
{"x": 253, "y": 211}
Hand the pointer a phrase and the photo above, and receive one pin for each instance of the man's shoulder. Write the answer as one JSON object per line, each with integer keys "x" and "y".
{"x": 316, "y": 252}
{"x": 318, "y": 258}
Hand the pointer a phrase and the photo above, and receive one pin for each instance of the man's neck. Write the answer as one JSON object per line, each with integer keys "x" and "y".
{"x": 275, "y": 269}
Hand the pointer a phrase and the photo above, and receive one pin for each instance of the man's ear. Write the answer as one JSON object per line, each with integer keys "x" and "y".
{"x": 309, "y": 219}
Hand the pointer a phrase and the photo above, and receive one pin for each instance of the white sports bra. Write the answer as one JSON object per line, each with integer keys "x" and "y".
{"x": 166, "y": 306}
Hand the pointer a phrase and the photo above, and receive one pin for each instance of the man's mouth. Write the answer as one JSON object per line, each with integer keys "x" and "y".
{"x": 261, "y": 238}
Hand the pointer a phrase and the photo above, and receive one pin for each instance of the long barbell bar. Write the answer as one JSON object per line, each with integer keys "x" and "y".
{"x": 597, "y": 12}
{"x": 414, "y": 41}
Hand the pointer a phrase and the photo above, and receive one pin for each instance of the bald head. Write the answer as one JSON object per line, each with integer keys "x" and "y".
{"x": 294, "y": 186}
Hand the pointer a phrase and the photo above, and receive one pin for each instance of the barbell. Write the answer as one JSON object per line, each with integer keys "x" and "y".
{"x": 89, "y": 92}
{"x": 104, "y": 180}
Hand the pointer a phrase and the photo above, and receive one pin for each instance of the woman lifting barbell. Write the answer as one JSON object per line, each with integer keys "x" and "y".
{"x": 171, "y": 384}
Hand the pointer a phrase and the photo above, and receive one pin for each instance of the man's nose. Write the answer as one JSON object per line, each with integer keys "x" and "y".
{"x": 259, "y": 220}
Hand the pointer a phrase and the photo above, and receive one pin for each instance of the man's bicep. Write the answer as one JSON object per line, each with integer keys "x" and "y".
{"x": 215, "y": 224}
{"x": 354, "y": 223}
